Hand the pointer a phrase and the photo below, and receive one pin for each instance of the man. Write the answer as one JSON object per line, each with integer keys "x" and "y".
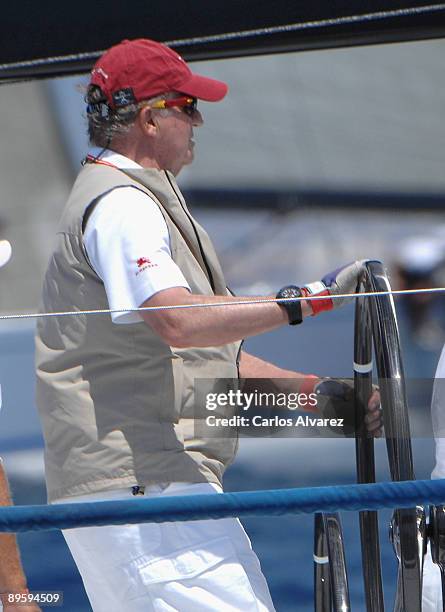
{"x": 116, "y": 396}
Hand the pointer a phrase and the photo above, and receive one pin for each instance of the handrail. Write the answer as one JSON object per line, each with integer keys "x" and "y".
{"x": 304, "y": 500}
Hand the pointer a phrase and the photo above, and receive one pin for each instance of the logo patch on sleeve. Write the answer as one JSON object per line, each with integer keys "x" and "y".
{"x": 143, "y": 263}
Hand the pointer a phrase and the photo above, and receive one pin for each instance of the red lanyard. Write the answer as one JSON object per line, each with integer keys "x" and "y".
{"x": 103, "y": 162}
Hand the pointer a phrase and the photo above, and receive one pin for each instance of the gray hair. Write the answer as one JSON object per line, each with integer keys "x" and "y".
{"x": 104, "y": 122}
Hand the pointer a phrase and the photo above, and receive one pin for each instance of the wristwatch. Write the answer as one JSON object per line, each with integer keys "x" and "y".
{"x": 293, "y": 309}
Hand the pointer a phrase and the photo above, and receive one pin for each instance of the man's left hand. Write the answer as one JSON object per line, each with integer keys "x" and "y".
{"x": 335, "y": 399}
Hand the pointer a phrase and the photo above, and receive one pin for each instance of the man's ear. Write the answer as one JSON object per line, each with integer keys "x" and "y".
{"x": 145, "y": 119}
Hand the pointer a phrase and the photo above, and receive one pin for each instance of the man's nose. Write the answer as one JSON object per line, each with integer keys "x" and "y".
{"x": 197, "y": 119}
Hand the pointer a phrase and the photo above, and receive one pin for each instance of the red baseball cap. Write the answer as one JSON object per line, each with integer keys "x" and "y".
{"x": 135, "y": 70}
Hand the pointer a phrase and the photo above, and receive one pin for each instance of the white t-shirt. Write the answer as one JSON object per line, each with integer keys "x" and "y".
{"x": 128, "y": 245}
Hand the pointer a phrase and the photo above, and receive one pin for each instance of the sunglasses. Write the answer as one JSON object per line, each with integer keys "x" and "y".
{"x": 188, "y": 105}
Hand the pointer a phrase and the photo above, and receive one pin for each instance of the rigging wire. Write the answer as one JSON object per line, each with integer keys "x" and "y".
{"x": 265, "y": 300}
{"x": 91, "y": 56}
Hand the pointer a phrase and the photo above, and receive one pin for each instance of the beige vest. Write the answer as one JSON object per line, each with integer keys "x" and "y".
{"x": 117, "y": 404}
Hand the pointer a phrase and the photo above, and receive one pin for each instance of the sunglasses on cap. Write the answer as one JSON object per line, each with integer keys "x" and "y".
{"x": 188, "y": 105}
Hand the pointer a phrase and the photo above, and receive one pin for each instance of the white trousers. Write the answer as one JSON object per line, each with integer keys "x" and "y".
{"x": 193, "y": 566}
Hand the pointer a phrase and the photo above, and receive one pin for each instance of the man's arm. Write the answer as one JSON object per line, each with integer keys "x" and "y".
{"x": 254, "y": 367}
{"x": 211, "y": 326}
{"x": 12, "y": 577}
{"x": 218, "y": 325}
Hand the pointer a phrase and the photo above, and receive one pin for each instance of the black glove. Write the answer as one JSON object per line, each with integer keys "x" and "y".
{"x": 335, "y": 400}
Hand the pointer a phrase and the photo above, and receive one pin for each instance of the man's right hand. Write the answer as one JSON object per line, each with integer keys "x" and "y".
{"x": 341, "y": 281}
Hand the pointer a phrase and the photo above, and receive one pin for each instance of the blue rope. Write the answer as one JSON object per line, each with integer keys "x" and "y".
{"x": 249, "y": 503}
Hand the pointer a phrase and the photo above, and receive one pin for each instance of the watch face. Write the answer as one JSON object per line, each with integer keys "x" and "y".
{"x": 293, "y": 307}
{"x": 290, "y": 292}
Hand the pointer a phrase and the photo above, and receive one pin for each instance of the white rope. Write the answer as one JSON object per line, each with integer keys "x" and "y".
{"x": 41, "y": 315}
